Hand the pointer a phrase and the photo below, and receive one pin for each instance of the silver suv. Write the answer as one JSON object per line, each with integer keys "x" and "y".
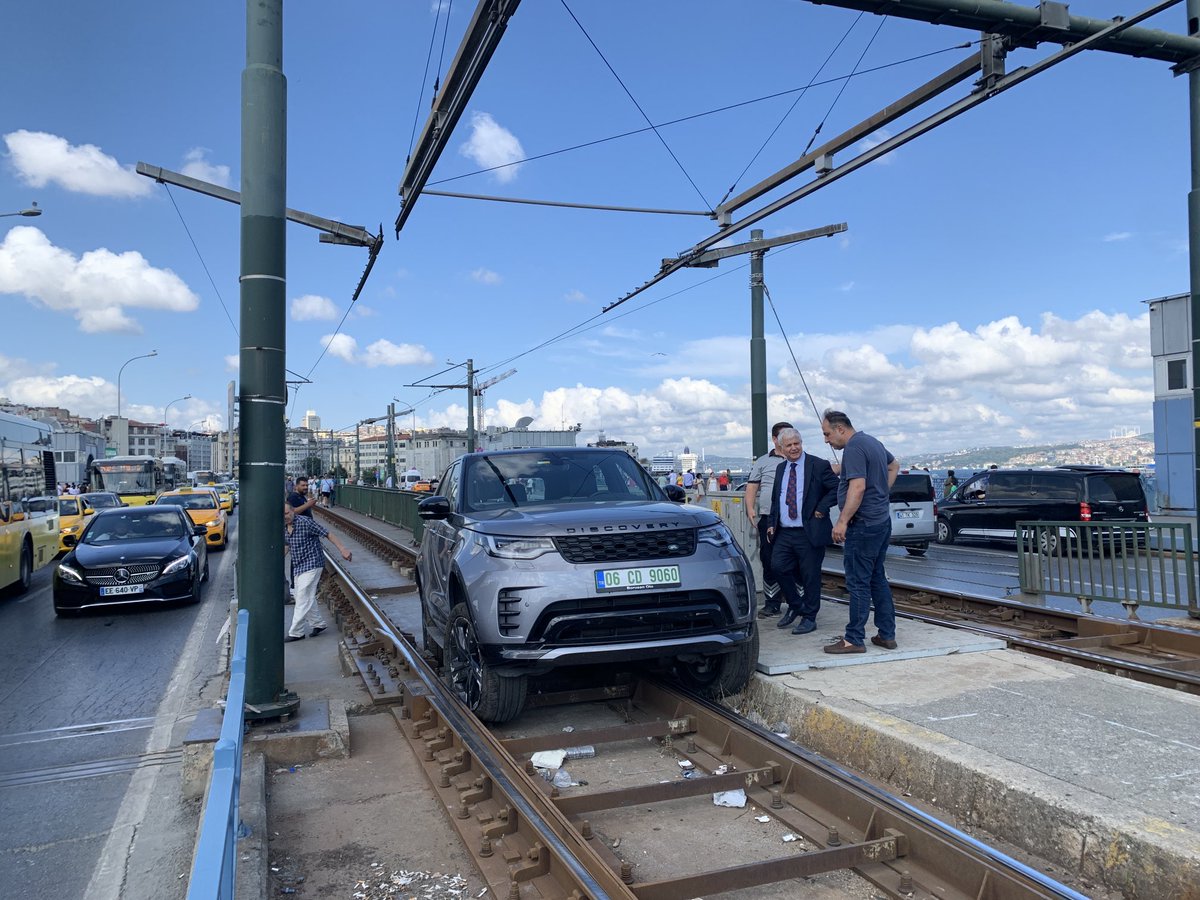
{"x": 535, "y": 559}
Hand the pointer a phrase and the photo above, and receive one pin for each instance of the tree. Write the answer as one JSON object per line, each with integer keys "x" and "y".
{"x": 312, "y": 466}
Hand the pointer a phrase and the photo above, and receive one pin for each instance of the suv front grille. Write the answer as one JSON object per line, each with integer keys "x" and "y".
{"x": 107, "y": 576}
{"x": 625, "y": 546}
{"x": 652, "y": 615}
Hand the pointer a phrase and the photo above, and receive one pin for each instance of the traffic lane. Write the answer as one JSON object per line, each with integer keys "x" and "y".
{"x": 64, "y": 790}
{"x": 988, "y": 571}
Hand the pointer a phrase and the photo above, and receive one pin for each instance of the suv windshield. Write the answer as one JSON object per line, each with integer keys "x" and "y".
{"x": 547, "y": 476}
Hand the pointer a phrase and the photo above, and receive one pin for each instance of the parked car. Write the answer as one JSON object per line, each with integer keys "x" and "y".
{"x": 536, "y": 559}
{"x": 202, "y": 508}
{"x": 73, "y": 511}
{"x": 989, "y": 505}
{"x": 136, "y": 554}
{"x": 913, "y": 508}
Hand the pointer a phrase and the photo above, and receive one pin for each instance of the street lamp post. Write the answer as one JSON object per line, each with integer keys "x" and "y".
{"x": 165, "y": 408}
{"x": 31, "y": 211}
{"x": 120, "y": 372}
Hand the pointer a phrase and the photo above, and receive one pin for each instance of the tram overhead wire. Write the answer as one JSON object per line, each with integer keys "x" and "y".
{"x": 200, "y": 256}
{"x": 842, "y": 90}
{"x": 965, "y": 45}
{"x": 629, "y": 94}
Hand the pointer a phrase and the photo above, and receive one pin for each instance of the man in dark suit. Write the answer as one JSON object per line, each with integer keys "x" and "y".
{"x": 799, "y": 529}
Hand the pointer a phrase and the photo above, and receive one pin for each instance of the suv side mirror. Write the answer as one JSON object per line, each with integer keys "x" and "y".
{"x": 675, "y": 493}
{"x": 435, "y": 507}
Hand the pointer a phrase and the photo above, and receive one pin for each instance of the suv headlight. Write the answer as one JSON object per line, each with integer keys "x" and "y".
{"x": 517, "y": 547}
{"x": 176, "y": 565}
{"x": 718, "y": 535}
{"x": 69, "y": 575}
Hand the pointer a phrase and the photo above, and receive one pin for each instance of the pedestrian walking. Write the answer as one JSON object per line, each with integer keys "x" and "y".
{"x": 758, "y": 511}
{"x": 864, "y": 528}
{"x": 950, "y": 485}
{"x": 302, "y": 537}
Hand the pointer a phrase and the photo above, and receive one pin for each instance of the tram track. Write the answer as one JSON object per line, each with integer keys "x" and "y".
{"x": 663, "y": 753}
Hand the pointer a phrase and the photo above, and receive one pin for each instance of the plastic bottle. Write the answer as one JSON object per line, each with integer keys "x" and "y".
{"x": 587, "y": 751}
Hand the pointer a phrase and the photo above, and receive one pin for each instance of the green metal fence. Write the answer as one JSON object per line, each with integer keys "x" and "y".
{"x": 393, "y": 507}
{"x": 1130, "y": 564}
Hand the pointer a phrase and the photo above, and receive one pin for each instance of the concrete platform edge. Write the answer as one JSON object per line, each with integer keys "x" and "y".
{"x": 1086, "y": 835}
{"x": 252, "y": 850}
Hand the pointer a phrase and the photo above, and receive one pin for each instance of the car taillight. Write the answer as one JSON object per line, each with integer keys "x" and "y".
{"x": 935, "y": 509}
{"x": 1085, "y": 512}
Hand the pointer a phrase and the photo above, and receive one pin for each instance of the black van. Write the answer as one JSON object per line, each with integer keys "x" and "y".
{"x": 989, "y": 505}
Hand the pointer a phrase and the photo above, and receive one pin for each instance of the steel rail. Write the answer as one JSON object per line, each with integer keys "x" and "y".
{"x": 852, "y": 823}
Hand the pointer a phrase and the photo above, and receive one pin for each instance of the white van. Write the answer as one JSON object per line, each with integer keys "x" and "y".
{"x": 408, "y": 479}
{"x": 913, "y": 511}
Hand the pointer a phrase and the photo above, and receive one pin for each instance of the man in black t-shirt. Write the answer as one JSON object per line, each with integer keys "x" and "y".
{"x": 299, "y": 499}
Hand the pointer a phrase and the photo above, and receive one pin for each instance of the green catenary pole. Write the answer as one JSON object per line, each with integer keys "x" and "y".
{"x": 263, "y": 393}
{"x": 758, "y": 353}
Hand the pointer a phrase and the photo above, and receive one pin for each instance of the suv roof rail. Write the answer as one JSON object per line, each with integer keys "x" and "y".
{"x": 1078, "y": 467}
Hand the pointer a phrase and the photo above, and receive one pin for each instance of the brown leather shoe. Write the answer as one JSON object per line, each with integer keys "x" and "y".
{"x": 844, "y": 646}
{"x": 885, "y": 644}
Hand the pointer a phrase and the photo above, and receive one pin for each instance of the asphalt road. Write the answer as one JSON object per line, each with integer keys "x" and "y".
{"x": 93, "y": 711}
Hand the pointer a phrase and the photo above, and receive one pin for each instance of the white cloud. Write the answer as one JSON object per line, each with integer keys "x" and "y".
{"x": 96, "y": 287}
{"x": 919, "y": 389}
{"x": 380, "y": 353}
{"x": 486, "y": 276}
{"x": 313, "y": 306}
{"x": 491, "y": 144}
{"x": 342, "y": 346}
{"x": 233, "y": 362}
{"x": 196, "y": 165}
{"x": 41, "y": 159}
{"x": 1117, "y": 236}
{"x": 575, "y": 296}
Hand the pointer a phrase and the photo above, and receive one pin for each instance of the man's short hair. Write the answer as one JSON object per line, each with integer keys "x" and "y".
{"x": 836, "y": 417}
{"x": 300, "y": 478}
{"x": 778, "y": 427}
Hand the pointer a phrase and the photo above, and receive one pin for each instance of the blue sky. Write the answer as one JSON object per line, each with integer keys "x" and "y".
{"x": 989, "y": 289}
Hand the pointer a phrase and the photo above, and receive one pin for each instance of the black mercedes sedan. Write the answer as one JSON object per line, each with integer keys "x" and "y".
{"x": 130, "y": 555}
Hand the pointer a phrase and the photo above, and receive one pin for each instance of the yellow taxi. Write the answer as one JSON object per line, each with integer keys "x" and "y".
{"x": 202, "y": 508}
{"x": 224, "y": 495}
{"x": 73, "y": 511}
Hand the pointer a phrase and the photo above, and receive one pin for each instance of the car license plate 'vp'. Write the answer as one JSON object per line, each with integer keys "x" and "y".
{"x": 639, "y": 579}
{"x": 120, "y": 589}
{"x": 908, "y": 514}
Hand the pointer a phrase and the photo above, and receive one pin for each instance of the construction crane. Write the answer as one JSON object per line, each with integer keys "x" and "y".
{"x": 480, "y": 388}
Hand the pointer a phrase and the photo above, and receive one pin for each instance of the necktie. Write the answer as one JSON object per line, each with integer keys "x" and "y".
{"x": 791, "y": 491}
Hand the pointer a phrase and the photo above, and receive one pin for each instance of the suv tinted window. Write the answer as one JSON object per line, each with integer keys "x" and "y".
{"x": 1008, "y": 485}
{"x": 1054, "y": 486}
{"x": 912, "y": 488}
{"x": 1117, "y": 487}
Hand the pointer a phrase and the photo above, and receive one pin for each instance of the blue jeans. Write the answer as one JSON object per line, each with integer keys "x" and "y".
{"x": 862, "y": 559}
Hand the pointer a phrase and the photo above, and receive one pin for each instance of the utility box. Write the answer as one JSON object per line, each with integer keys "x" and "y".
{"x": 1174, "y": 439}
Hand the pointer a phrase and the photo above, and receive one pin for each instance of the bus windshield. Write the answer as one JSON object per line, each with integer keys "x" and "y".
{"x": 124, "y": 479}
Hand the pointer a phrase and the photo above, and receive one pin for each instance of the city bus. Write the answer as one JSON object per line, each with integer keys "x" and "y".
{"x": 28, "y": 500}
{"x": 203, "y": 477}
{"x": 175, "y": 472}
{"x": 137, "y": 480}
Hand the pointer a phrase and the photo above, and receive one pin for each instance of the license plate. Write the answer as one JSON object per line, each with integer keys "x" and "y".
{"x": 640, "y": 579}
{"x": 120, "y": 590}
{"x": 908, "y": 514}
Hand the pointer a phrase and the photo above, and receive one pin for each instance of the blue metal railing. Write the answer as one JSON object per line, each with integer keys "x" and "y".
{"x": 215, "y": 864}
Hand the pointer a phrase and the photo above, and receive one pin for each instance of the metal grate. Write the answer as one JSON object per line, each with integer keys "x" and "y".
{"x": 107, "y": 576}
{"x": 626, "y": 547}
{"x": 650, "y": 615}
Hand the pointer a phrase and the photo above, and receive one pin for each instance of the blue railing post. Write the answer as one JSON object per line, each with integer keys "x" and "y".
{"x": 215, "y": 867}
